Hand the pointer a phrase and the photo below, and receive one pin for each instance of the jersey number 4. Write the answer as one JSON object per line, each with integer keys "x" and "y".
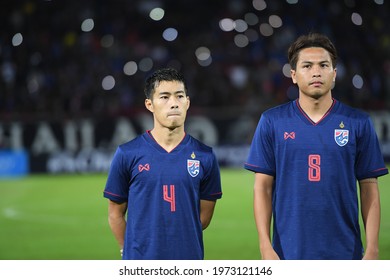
{"x": 314, "y": 168}
{"x": 169, "y": 196}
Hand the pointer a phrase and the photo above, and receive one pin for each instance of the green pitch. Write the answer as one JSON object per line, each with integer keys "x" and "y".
{"x": 64, "y": 217}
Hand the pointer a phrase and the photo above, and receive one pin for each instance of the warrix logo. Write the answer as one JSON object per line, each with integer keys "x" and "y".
{"x": 193, "y": 167}
{"x": 290, "y": 135}
{"x": 341, "y": 136}
{"x": 145, "y": 167}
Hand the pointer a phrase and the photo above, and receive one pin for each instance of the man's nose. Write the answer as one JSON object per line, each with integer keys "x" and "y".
{"x": 316, "y": 71}
{"x": 174, "y": 103}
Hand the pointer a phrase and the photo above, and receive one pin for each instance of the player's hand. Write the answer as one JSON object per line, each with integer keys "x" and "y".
{"x": 269, "y": 254}
{"x": 371, "y": 255}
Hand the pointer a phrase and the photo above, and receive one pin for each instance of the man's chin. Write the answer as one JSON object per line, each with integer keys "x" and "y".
{"x": 317, "y": 95}
{"x": 173, "y": 126}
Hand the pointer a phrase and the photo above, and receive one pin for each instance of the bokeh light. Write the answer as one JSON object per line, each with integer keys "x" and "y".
{"x": 266, "y": 29}
{"x": 227, "y": 24}
{"x": 157, "y": 14}
{"x": 17, "y": 39}
{"x": 170, "y": 34}
{"x": 130, "y": 68}
{"x": 87, "y": 25}
{"x": 356, "y": 19}
{"x": 357, "y": 81}
{"x": 108, "y": 82}
{"x": 259, "y": 5}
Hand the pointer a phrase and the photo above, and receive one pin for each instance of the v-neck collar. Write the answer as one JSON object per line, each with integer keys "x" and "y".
{"x": 307, "y": 119}
{"x": 150, "y": 139}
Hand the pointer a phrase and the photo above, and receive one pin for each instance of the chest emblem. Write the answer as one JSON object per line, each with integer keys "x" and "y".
{"x": 193, "y": 167}
{"x": 341, "y": 136}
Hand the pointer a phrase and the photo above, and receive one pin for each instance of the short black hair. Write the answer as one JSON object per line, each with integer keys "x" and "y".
{"x": 164, "y": 74}
{"x": 309, "y": 41}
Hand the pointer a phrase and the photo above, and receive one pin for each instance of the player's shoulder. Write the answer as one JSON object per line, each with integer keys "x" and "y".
{"x": 132, "y": 144}
{"x": 279, "y": 110}
{"x": 352, "y": 112}
{"x": 199, "y": 145}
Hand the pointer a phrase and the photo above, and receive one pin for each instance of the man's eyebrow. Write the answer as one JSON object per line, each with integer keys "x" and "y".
{"x": 168, "y": 92}
{"x": 312, "y": 62}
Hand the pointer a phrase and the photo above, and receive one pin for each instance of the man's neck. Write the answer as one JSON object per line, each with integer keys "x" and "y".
{"x": 315, "y": 109}
{"x": 168, "y": 138}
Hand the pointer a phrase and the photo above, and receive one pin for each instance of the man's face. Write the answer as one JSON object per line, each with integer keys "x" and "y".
{"x": 314, "y": 73}
{"x": 169, "y": 104}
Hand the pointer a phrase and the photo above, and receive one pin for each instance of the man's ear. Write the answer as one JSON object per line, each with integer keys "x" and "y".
{"x": 149, "y": 104}
{"x": 292, "y": 73}
{"x": 334, "y": 75}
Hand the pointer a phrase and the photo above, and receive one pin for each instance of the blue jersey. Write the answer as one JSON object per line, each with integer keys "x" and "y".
{"x": 163, "y": 190}
{"x": 315, "y": 167}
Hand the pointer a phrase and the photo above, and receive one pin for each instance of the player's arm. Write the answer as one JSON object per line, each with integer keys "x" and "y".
{"x": 370, "y": 209}
{"x": 206, "y": 212}
{"x": 262, "y": 205}
{"x": 117, "y": 221}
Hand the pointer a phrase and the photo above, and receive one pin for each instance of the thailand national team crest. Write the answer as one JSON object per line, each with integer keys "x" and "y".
{"x": 341, "y": 137}
{"x": 193, "y": 167}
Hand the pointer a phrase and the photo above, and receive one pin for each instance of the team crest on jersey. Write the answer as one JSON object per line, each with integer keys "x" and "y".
{"x": 341, "y": 136}
{"x": 193, "y": 167}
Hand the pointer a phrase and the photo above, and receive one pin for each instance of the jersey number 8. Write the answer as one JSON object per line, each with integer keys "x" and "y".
{"x": 314, "y": 168}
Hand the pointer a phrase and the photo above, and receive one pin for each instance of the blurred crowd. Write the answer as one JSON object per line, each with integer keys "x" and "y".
{"x": 53, "y": 65}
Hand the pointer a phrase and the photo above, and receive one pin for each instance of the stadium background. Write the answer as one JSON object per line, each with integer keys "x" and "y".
{"x": 71, "y": 77}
